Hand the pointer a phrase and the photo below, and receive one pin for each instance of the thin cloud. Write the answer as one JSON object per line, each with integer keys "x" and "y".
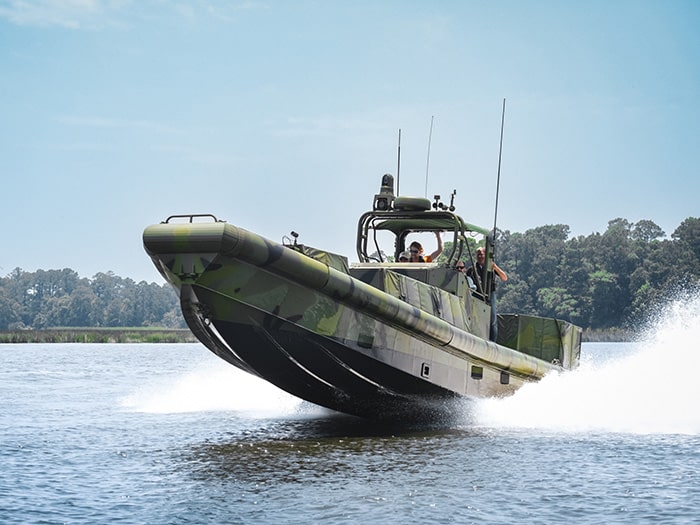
{"x": 69, "y": 14}
{"x": 91, "y": 14}
{"x": 324, "y": 125}
{"x": 117, "y": 123}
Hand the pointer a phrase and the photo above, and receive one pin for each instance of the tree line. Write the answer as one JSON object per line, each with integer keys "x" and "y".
{"x": 61, "y": 298}
{"x": 600, "y": 281}
{"x": 617, "y": 279}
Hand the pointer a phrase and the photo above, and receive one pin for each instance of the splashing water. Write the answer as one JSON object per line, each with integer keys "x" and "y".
{"x": 652, "y": 391}
{"x": 213, "y": 386}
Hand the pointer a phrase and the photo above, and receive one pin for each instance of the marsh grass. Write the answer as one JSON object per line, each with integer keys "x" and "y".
{"x": 99, "y": 335}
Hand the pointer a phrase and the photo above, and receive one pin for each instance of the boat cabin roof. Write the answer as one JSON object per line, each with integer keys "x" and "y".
{"x": 427, "y": 221}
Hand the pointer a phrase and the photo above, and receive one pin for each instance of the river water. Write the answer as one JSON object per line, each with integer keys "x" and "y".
{"x": 171, "y": 434}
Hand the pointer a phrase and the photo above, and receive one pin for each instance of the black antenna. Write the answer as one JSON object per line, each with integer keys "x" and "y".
{"x": 398, "y": 167}
{"x": 498, "y": 179}
{"x": 427, "y": 162}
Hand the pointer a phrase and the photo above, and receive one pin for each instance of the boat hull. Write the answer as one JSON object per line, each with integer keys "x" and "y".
{"x": 324, "y": 370}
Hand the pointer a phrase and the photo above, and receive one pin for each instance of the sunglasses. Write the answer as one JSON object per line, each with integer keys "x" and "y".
{"x": 414, "y": 251}
{"x": 460, "y": 267}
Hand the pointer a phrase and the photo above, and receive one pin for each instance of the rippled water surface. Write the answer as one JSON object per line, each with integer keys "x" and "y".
{"x": 172, "y": 434}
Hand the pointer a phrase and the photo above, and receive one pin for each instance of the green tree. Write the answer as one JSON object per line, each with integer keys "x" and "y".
{"x": 9, "y": 310}
{"x": 688, "y": 233}
{"x": 646, "y": 231}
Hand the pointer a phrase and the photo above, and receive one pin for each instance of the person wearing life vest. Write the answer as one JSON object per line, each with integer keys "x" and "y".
{"x": 478, "y": 272}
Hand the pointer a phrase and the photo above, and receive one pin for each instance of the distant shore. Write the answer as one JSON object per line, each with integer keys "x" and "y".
{"x": 99, "y": 335}
{"x": 172, "y": 335}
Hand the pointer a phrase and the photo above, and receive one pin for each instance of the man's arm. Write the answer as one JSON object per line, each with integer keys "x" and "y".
{"x": 501, "y": 274}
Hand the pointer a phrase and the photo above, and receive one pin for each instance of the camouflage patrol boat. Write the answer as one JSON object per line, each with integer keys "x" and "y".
{"x": 377, "y": 338}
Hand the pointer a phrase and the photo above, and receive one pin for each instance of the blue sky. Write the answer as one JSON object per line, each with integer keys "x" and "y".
{"x": 280, "y": 116}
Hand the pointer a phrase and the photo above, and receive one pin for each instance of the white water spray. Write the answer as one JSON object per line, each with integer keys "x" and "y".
{"x": 652, "y": 391}
{"x": 212, "y": 386}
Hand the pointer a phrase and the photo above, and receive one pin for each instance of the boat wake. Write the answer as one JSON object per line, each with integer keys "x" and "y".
{"x": 653, "y": 389}
{"x": 214, "y": 386}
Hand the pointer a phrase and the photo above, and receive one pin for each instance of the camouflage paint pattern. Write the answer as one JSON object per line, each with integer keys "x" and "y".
{"x": 410, "y": 318}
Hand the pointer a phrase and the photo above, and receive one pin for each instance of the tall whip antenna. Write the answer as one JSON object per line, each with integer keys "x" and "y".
{"x": 398, "y": 166}
{"x": 427, "y": 162}
{"x": 498, "y": 179}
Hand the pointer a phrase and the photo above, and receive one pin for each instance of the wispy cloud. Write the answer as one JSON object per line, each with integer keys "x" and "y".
{"x": 69, "y": 14}
{"x": 91, "y": 14}
{"x": 118, "y": 123}
{"x": 226, "y": 11}
{"x": 162, "y": 138}
{"x": 362, "y": 122}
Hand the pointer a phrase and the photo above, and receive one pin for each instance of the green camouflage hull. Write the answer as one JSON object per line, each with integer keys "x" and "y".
{"x": 378, "y": 340}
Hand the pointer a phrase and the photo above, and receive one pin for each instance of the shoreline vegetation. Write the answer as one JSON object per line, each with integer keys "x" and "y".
{"x": 99, "y": 335}
{"x": 183, "y": 335}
